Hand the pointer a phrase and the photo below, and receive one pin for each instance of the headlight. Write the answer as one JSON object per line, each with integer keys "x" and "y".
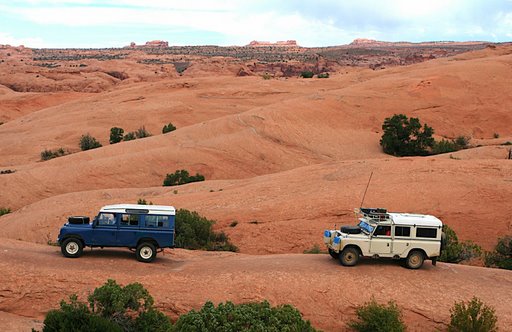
{"x": 327, "y": 233}
{"x": 337, "y": 240}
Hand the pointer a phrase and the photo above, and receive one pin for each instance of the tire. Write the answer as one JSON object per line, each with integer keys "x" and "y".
{"x": 414, "y": 260}
{"x": 349, "y": 256}
{"x": 72, "y": 248}
{"x": 146, "y": 252}
{"x": 334, "y": 254}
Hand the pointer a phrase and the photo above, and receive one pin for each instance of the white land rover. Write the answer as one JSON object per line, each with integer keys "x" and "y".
{"x": 413, "y": 237}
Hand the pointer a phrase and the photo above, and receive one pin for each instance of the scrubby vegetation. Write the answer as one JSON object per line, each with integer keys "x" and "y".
{"x": 406, "y": 137}
{"x": 116, "y": 135}
{"x": 501, "y": 257}
{"x": 181, "y": 177}
{"x": 455, "y": 251}
{"x": 194, "y": 231}
{"x": 49, "y": 154}
{"x": 168, "y": 128}
{"x": 474, "y": 316}
{"x": 142, "y": 201}
{"x": 323, "y": 75}
{"x": 307, "y": 74}
{"x": 231, "y": 317}
{"x": 87, "y": 142}
{"x": 7, "y": 171}
{"x": 142, "y": 133}
{"x": 314, "y": 250}
{"x": 129, "y": 136}
{"x": 4, "y": 211}
{"x": 375, "y": 317}
{"x": 111, "y": 307}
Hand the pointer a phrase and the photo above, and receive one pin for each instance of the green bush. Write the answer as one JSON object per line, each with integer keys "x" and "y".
{"x": 49, "y": 154}
{"x": 116, "y": 135}
{"x": 444, "y": 146}
{"x": 111, "y": 308}
{"x": 168, "y": 128}
{"x": 501, "y": 257}
{"x": 406, "y": 137}
{"x": 307, "y": 74}
{"x": 181, "y": 177}
{"x": 4, "y": 211}
{"x": 462, "y": 142}
{"x": 194, "y": 231}
{"x": 314, "y": 250}
{"x": 142, "y": 201}
{"x": 323, "y": 75}
{"x": 474, "y": 316}
{"x": 455, "y": 251}
{"x": 129, "y": 136}
{"x": 142, "y": 132}
{"x": 231, "y": 317}
{"x": 87, "y": 142}
{"x": 374, "y": 317}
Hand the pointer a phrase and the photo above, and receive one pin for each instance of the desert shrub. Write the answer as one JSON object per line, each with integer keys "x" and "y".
{"x": 142, "y": 132}
{"x": 194, "y": 231}
{"x": 87, "y": 142}
{"x": 307, "y": 74}
{"x": 49, "y": 154}
{"x": 501, "y": 257}
{"x": 181, "y": 177}
{"x": 168, "y": 128}
{"x": 445, "y": 146}
{"x": 496, "y": 135}
{"x": 4, "y": 211}
{"x": 76, "y": 316}
{"x": 455, "y": 251}
{"x": 314, "y": 250}
{"x": 142, "y": 201}
{"x": 129, "y": 136}
{"x": 406, "y": 137}
{"x": 116, "y": 135}
{"x": 462, "y": 142}
{"x": 375, "y": 317}
{"x": 323, "y": 75}
{"x": 475, "y": 316}
{"x": 7, "y": 171}
{"x": 111, "y": 307}
{"x": 266, "y": 76}
{"x": 229, "y": 317}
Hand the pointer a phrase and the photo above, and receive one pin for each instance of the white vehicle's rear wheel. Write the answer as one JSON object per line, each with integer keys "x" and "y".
{"x": 349, "y": 256}
{"x": 414, "y": 260}
{"x": 146, "y": 252}
{"x": 72, "y": 248}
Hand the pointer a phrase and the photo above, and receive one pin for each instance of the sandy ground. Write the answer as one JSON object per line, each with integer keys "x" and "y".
{"x": 284, "y": 158}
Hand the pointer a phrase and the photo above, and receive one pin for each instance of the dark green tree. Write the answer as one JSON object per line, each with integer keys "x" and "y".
{"x": 129, "y": 136}
{"x": 142, "y": 132}
{"x": 116, "y": 135}
{"x": 501, "y": 257}
{"x": 455, "y": 251}
{"x": 168, "y": 128}
{"x": 307, "y": 74}
{"x": 475, "y": 316}
{"x": 87, "y": 142}
{"x": 181, "y": 177}
{"x": 406, "y": 137}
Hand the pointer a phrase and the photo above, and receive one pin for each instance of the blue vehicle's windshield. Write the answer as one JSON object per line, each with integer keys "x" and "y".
{"x": 366, "y": 227}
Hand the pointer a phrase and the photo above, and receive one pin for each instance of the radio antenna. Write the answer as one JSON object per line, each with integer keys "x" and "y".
{"x": 362, "y": 201}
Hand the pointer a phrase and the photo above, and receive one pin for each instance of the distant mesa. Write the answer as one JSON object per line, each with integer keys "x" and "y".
{"x": 150, "y": 44}
{"x": 286, "y": 43}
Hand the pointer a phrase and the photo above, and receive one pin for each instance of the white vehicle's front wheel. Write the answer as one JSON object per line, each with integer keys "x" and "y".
{"x": 349, "y": 256}
{"x": 72, "y": 248}
{"x": 414, "y": 260}
{"x": 146, "y": 252}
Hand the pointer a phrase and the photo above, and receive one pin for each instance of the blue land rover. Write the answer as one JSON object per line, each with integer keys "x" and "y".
{"x": 141, "y": 228}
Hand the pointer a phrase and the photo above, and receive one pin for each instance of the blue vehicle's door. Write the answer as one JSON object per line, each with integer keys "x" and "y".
{"x": 128, "y": 230}
{"x": 105, "y": 232}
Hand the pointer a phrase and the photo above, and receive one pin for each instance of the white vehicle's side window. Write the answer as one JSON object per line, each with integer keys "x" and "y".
{"x": 106, "y": 219}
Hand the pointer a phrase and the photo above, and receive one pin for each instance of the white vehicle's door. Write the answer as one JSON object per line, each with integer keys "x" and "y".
{"x": 381, "y": 242}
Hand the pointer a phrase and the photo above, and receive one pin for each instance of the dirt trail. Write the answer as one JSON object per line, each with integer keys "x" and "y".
{"x": 35, "y": 277}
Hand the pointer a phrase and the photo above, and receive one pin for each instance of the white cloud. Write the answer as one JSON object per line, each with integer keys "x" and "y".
{"x": 8, "y": 39}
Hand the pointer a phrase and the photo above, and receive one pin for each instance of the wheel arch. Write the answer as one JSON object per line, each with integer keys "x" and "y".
{"x": 150, "y": 240}
{"x": 73, "y": 236}
{"x": 425, "y": 256}
{"x": 355, "y": 246}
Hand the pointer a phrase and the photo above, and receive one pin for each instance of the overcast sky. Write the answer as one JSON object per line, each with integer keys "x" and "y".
{"x": 116, "y": 23}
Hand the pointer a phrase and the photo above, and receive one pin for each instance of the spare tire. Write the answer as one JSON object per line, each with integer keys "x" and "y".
{"x": 350, "y": 229}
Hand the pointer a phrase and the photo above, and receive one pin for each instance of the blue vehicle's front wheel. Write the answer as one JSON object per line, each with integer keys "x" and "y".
{"x": 146, "y": 252}
{"x": 72, "y": 248}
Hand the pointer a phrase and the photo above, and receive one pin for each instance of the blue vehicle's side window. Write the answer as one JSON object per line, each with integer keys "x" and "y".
{"x": 129, "y": 220}
{"x": 106, "y": 219}
{"x": 157, "y": 221}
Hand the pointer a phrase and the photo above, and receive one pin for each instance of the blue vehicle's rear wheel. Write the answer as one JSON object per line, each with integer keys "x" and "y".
{"x": 146, "y": 252}
{"x": 72, "y": 248}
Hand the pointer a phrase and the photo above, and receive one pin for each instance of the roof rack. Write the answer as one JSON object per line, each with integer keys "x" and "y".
{"x": 377, "y": 214}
